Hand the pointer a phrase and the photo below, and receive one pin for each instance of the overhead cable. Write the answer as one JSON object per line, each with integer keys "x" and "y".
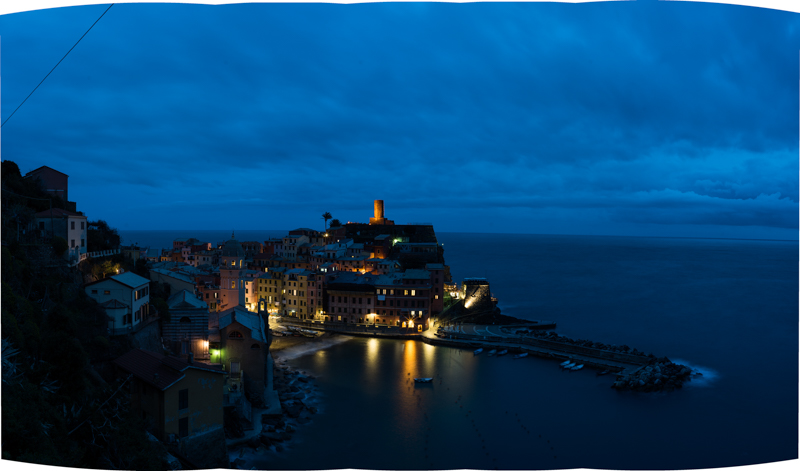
{"x": 54, "y": 67}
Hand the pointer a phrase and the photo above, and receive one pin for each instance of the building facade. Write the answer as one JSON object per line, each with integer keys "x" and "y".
{"x": 129, "y": 289}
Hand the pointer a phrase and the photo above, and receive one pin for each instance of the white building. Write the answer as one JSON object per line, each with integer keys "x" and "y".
{"x": 66, "y": 224}
{"x": 128, "y": 289}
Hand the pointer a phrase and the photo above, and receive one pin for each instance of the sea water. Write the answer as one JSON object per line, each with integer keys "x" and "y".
{"x": 728, "y": 308}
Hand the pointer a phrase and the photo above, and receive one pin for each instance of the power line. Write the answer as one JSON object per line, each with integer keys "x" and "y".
{"x": 54, "y": 67}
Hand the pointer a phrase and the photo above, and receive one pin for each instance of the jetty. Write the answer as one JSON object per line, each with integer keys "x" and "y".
{"x": 358, "y": 330}
{"x": 518, "y": 339}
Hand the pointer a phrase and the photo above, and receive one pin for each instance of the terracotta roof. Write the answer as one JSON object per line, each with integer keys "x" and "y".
{"x": 158, "y": 370}
{"x": 147, "y": 366}
{"x": 57, "y": 213}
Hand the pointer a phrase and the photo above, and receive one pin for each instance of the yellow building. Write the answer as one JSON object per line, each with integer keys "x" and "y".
{"x": 181, "y": 400}
{"x": 269, "y": 289}
{"x": 295, "y": 294}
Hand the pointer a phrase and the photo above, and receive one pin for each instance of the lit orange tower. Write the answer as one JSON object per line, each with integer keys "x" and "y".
{"x": 379, "y": 219}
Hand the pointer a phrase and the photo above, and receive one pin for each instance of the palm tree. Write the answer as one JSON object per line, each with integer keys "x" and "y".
{"x": 326, "y": 215}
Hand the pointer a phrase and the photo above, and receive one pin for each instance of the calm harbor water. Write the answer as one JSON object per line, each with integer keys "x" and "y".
{"x": 727, "y": 307}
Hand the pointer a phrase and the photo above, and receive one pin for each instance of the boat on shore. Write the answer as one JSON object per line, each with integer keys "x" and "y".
{"x": 423, "y": 380}
{"x": 478, "y": 351}
{"x": 521, "y": 355}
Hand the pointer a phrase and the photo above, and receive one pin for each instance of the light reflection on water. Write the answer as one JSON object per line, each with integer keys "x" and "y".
{"x": 677, "y": 298}
{"x": 484, "y": 412}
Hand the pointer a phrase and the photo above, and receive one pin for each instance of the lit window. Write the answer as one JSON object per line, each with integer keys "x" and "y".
{"x": 413, "y": 292}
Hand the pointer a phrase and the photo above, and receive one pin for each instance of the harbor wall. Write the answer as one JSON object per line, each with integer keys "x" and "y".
{"x": 559, "y": 347}
{"x": 361, "y": 330}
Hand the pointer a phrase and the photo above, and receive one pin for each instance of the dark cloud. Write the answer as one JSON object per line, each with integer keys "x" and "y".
{"x": 617, "y": 114}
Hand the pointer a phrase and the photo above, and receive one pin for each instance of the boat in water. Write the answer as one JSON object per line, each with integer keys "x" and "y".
{"x": 478, "y": 351}
{"x": 502, "y": 352}
{"x": 604, "y": 372}
{"x": 576, "y": 368}
{"x": 521, "y": 355}
{"x": 423, "y": 380}
{"x": 492, "y": 352}
{"x": 568, "y": 365}
{"x": 565, "y": 363}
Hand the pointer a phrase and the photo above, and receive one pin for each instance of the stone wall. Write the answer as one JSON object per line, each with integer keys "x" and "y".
{"x": 477, "y": 297}
{"x": 207, "y": 449}
{"x": 148, "y": 337}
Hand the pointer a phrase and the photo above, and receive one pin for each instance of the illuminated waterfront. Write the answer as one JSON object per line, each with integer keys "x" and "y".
{"x": 727, "y": 307}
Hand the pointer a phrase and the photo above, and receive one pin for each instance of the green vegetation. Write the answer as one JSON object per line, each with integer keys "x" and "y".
{"x": 326, "y": 216}
{"x": 60, "y": 245}
{"x": 448, "y": 300}
{"x": 62, "y": 403}
{"x": 101, "y": 236}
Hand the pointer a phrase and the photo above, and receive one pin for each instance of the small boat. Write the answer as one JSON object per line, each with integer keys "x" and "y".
{"x": 604, "y": 372}
{"x": 502, "y": 352}
{"x": 423, "y": 380}
{"x": 492, "y": 352}
{"x": 521, "y": 355}
{"x": 576, "y": 368}
{"x": 478, "y": 351}
{"x": 697, "y": 373}
{"x": 568, "y": 365}
{"x": 565, "y": 363}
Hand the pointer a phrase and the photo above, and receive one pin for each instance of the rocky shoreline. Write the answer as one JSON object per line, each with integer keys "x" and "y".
{"x": 299, "y": 399}
{"x": 659, "y": 375}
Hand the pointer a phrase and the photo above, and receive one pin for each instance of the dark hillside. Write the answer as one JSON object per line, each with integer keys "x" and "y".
{"x": 61, "y": 403}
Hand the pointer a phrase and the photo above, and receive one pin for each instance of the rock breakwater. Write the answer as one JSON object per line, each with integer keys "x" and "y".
{"x": 660, "y": 374}
{"x": 554, "y": 337}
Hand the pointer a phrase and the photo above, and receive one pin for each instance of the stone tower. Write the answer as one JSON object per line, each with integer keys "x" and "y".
{"x": 231, "y": 284}
{"x": 379, "y": 216}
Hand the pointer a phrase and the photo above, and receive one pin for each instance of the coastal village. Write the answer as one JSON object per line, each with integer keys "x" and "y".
{"x": 201, "y": 371}
{"x": 198, "y": 321}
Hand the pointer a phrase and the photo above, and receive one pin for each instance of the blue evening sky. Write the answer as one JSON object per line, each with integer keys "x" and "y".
{"x": 621, "y": 118}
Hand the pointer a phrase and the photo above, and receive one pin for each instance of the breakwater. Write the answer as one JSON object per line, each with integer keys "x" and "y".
{"x": 359, "y": 330}
{"x": 635, "y": 370}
